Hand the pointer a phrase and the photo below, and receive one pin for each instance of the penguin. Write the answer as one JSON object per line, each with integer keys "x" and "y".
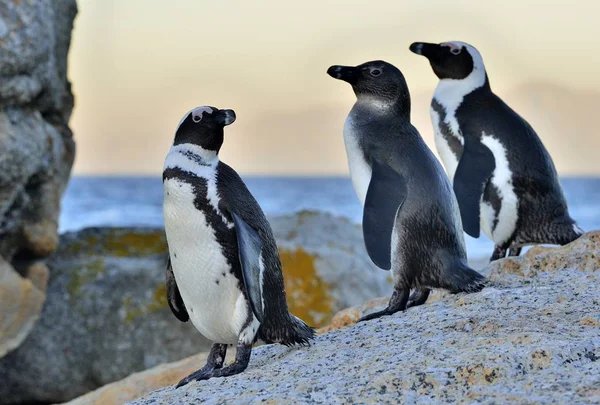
{"x": 224, "y": 271}
{"x": 503, "y": 176}
{"x": 411, "y": 222}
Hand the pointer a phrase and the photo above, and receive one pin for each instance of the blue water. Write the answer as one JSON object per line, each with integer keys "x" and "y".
{"x": 137, "y": 201}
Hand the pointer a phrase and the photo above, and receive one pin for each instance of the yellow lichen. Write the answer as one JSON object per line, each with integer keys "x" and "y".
{"x": 85, "y": 275}
{"x": 308, "y": 295}
{"x": 122, "y": 244}
{"x": 136, "y": 244}
{"x": 159, "y": 298}
{"x": 157, "y": 302}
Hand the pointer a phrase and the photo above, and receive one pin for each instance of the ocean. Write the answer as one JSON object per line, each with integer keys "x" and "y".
{"x": 137, "y": 201}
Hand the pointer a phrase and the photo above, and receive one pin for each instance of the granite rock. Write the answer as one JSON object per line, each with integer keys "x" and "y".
{"x": 106, "y": 314}
{"x": 36, "y": 144}
{"x": 532, "y": 338}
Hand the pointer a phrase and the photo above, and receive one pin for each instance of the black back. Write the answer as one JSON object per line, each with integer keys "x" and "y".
{"x": 534, "y": 176}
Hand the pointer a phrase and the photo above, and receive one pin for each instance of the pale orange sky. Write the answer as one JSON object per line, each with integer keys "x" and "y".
{"x": 138, "y": 65}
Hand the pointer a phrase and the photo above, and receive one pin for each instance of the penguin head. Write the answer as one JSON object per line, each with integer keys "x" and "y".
{"x": 451, "y": 60}
{"x": 203, "y": 126}
{"x": 377, "y": 81}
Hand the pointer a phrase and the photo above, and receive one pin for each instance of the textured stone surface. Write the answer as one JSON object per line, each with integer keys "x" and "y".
{"x": 141, "y": 383}
{"x": 523, "y": 340}
{"x": 36, "y": 145}
{"x": 583, "y": 254}
{"x": 326, "y": 266}
{"x": 20, "y": 304}
{"x": 106, "y": 314}
{"x": 105, "y": 317}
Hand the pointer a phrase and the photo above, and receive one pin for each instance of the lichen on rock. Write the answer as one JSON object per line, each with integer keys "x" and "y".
{"x": 106, "y": 309}
{"x": 533, "y": 338}
{"x": 309, "y": 297}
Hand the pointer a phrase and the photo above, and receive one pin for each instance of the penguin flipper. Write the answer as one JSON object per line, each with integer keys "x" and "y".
{"x": 249, "y": 247}
{"x": 174, "y": 297}
{"x": 385, "y": 196}
{"x": 475, "y": 168}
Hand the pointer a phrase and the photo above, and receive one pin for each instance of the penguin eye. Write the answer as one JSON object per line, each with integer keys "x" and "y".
{"x": 455, "y": 51}
{"x": 375, "y": 72}
{"x": 196, "y": 118}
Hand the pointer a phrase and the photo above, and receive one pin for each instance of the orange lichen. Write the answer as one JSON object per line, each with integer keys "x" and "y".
{"x": 308, "y": 295}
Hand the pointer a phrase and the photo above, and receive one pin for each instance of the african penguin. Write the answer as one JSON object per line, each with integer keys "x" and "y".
{"x": 411, "y": 222}
{"x": 224, "y": 272}
{"x": 504, "y": 178}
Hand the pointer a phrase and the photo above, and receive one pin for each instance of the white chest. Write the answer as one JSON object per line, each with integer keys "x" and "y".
{"x": 214, "y": 302}
{"x": 360, "y": 170}
{"x": 507, "y": 215}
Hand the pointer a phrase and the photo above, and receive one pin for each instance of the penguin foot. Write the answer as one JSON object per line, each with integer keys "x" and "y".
{"x": 202, "y": 374}
{"x": 375, "y": 315}
{"x": 242, "y": 358}
{"x": 514, "y": 251}
{"x": 215, "y": 360}
{"x": 397, "y": 303}
{"x": 418, "y": 297}
{"x": 499, "y": 253}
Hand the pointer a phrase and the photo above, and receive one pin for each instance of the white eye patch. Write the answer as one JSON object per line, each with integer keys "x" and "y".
{"x": 454, "y": 48}
{"x": 375, "y": 72}
{"x": 197, "y": 113}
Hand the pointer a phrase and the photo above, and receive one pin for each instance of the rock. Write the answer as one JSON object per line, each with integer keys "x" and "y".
{"x": 326, "y": 266}
{"x": 21, "y": 303}
{"x": 141, "y": 383}
{"x": 107, "y": 315}
{"x": 36, "y": 144}
{"x": 349, "y": 316}
{"x": 582, "y": 254}
{"x": 527, "y": 340}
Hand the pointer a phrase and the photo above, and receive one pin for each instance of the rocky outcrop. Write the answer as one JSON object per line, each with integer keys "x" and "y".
{"x": 141, "y": 383}
{"x": 106, "y": 314}
{"x": 36, "y": 145}
{"x": 105, "y": 317}
{"x": 583, "y": 255}
{"x": 20, "y": 304}
{"x": 326, "y": 266}
{"x": 530, "y": 337}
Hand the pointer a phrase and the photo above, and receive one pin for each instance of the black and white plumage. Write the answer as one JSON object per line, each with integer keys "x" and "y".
{"x": 411, "y": 222}
{"x": 224, "y": 272}
{"x": 503, "y": 176}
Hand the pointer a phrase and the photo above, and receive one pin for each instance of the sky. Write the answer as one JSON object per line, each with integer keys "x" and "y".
{"x": 138, "y": 65}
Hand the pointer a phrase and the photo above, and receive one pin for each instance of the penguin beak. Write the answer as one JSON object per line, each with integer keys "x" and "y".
{"x": 346, "y": 73}
{"x": 228, "y": 117}
{"x": 425, "y": 49}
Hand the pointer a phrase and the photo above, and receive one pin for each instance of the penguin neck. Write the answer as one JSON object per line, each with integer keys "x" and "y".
{"x": 399, "y": 107}
{"x": 193, "y": 152}
{"x": 454, "y": 90}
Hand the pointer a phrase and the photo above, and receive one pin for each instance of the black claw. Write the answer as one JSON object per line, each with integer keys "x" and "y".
{"x": 397, "y": 303}
{"x": 375, "y": 315}
{"x": 203, "y": 374}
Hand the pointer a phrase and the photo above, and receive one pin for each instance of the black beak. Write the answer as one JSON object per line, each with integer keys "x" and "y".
{"x": 425, "y": 49}
{"x": 226, "y": 117}
{"x": 346, "y": 73}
